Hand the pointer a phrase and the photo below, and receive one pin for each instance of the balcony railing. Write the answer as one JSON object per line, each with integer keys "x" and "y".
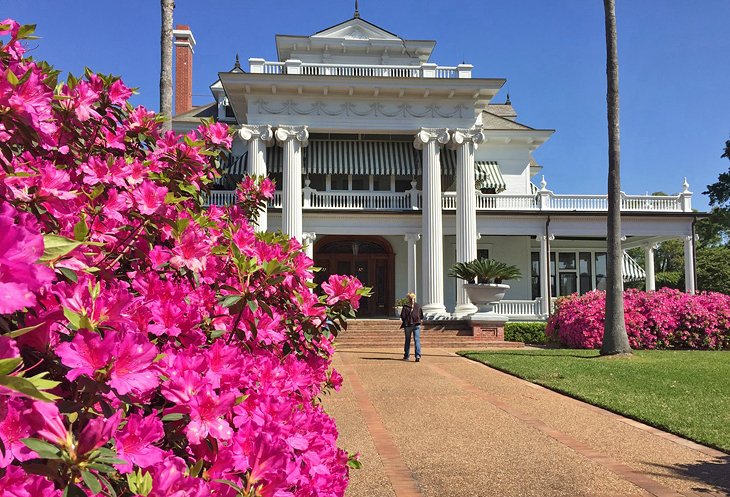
{"x": 412, "y": 200}
{"x": 520, "y": 309}
{"x": 293, "y": 66}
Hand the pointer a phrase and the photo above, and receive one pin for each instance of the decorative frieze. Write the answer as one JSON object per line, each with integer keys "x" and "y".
{"x": 374, "y": 109}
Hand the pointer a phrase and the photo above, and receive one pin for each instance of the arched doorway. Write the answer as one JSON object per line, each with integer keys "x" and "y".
{"x": 369, "y": 258}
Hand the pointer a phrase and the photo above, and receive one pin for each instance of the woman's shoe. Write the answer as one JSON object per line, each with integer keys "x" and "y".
{"x": 418, "y": 358}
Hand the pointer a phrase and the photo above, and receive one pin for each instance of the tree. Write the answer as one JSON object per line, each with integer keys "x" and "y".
{"x": 713, "y": 271}
{"x": 166, "y": 8}
{"x": 615, "y": 339}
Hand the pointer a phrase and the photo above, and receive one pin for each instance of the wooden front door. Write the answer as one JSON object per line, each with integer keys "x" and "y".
{"x": 370, "y": 259}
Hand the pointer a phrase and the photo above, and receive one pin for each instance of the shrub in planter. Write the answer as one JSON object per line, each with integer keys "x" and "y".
{"x": 528, "y": 332}
{"x": 666, "y": 318}
{"x": 149, "y": 346}
{"x": 485, "y": 271}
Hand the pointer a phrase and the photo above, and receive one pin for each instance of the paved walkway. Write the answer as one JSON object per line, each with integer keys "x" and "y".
{"x": 448, "y": 426}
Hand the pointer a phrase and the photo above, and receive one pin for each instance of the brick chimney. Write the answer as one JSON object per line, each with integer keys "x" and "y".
{"x": 184, "y": 49}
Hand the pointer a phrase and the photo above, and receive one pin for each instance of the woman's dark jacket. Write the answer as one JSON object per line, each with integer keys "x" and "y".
{"x": 411, "y": 316}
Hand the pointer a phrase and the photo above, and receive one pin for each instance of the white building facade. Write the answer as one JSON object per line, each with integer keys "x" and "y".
{"x": 393, "y": 168}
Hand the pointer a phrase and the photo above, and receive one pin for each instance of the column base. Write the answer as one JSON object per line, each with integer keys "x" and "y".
{"x": 464, "y": 310}
{"x": 434, "y": 311}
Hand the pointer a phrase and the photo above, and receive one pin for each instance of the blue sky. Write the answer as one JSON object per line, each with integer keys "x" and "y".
{"x": 675, "y": 79}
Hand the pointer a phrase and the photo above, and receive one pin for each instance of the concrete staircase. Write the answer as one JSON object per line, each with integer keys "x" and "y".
{"x": 386, "y": 333}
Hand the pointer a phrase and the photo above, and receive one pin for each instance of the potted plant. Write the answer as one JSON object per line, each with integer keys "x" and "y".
{"x": 484, "y": 279}
{"x": 399, "y": 305}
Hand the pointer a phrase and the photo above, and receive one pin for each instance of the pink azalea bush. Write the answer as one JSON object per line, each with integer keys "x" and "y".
{"x": 149, "y": 346}
{"x": 663, "y": 319}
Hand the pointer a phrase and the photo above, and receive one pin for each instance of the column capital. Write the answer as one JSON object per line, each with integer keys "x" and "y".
{"x": 286, "y": 133}
{"x": 250, "y": 131}
{"x": 468, "y": 135}
{"x": 412, "y": 237}
{"x": 308, "y": 237}
{"x": 427, "y": 135}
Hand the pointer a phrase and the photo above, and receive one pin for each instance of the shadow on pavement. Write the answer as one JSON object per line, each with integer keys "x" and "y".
{"x": 715, "y": 473}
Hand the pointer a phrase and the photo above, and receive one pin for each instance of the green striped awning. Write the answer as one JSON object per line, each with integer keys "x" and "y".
{"x": 632, "y": 271}
{"x": 489, "y": 176}
{"x": 362, "y": 157}
{"x": 369, "y": 157}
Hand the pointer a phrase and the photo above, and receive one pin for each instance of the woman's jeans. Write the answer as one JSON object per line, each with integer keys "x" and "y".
{"x": 416, "y": 331}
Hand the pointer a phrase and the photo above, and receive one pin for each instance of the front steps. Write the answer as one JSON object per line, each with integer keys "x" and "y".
{"x": 386, "y": 333}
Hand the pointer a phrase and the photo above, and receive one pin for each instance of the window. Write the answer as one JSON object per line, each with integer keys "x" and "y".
{"x": 601, "y": 270}
{"x": 339, "y": 182}
{"x": 360, "y": 182}
{"x": 535, "y": 274}
{"x": 584, "y": 270}
{"x": 482, "y": 253}
{"x": 381, "y": 183}
{"x": 318, "y": 182}
{"x": 403, "y": 183}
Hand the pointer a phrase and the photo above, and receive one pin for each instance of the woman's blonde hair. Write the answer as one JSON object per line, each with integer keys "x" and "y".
{"x": 411, "y": 295}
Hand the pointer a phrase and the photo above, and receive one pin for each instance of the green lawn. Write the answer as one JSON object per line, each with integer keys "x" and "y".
{"x": 684, "y": 392}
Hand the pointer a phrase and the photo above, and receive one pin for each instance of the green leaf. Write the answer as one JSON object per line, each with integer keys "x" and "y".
{"x": 175, "y": 416}
{"x": 12, "y": 78}
{"x": 44, "y": 449}
{"x": 69, "y": 273}
{"x": 230, "y": 300}
{"x": 109, "y": 489}
{"x": 25, "y": 387}
{"x": 230, "y": 484}
{"x": 91, "y": 481}
{"x": 73, "y": 491}
{"x": 8, "y": 365}
{"x": 194, "y": 470}
{"x": 252, "y": 305}
{"x": 42, "y": 384}
{"x": 354, "y": 464}
{"x": 57, "y": 246}
{"x": 110, "y": 460}
{"x": 102, "y": 468}
{"x": 25, "y": 31}
{"x": 81, "y": 229}
{"x": 73, "y": 317}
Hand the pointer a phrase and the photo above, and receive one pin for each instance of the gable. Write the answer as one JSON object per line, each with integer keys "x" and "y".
{"x": 356, "y": 29}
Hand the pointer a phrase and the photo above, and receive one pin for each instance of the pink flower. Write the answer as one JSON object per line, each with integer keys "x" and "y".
{"x": 17, "y": 483}
{"x": 149, "y": 197}
{"x": 131, "y": 371}
{"x": 119, "y": 93}
{"x": 206, "y": 410}
{"x": 342, "y": 288}
{"x": 45, "y": 421}
{"x": 135, "y": 442}
{"x": 87, "y": 353}
{"x": 13, "y": 428}
{"x": 216, "y": 133}
{"x": 192, "y": 250}
{"x": 97, "y": 432}
{"x": 21, "y": 245}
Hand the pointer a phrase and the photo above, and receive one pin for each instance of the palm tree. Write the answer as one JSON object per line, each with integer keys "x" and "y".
{"x": 615, "y": 340}
{"x": 166, "y": 7}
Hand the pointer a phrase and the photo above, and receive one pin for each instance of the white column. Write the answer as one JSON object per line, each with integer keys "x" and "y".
{"x": 466, "y": 142}
{"x": 544, "y": 280}
{"x": 649, "y": 267}
{"x": 308, "y": 238}
{"x": 292, "y": 139}
{"x": 412, "y": 238}
{"x": 689, "y": 264}
{"x": 257, "y": 138}
{"x": 430, "y": 140}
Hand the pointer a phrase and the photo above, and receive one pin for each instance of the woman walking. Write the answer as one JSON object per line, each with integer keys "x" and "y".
{"x": 411, "y": 316}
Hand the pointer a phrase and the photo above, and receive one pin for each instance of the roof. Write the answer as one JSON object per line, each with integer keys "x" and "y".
{"x": 197, "y": 113}
{"x": 493, "y": 121}
{"x": 352, "y": 19}
{"x": 502, "y": 110}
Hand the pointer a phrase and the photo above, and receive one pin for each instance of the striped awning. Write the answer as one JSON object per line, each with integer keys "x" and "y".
{"x": 489, "y": 175}
{"x": 362, "y": 157}
{"x": 369, "y": 157}
{"x": 632, "y": 271}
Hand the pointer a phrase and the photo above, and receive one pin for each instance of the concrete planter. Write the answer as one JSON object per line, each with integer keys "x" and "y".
{"x": 398, "y": 308}
{"x": 483, "y": 295}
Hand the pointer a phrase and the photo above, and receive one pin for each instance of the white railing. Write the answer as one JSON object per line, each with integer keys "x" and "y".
{"x": 543, "y": 201}
{"x": 221, "y": 197}
{"x": 314, "y": 69}
{"x": 506, "y": 202}
{"x": 292, "y": 66}
{"x": 386, "y": 201}
{"x": 519, "y": 309}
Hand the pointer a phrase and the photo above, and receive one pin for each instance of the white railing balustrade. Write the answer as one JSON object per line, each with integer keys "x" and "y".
{"x": 261, "y": 66}
{"x": 386, "y": 201}
{"x": 519, "y": 309}
{"x": 543, "y": 201}
{"x": 221, "y": 197}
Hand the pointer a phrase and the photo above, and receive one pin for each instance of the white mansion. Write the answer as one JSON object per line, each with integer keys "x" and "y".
{"x": 392, "y": 168}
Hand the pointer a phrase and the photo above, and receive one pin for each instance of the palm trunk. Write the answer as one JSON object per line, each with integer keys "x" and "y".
{"x": 166, "y": 7}
{"x": 615, "y": 340}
